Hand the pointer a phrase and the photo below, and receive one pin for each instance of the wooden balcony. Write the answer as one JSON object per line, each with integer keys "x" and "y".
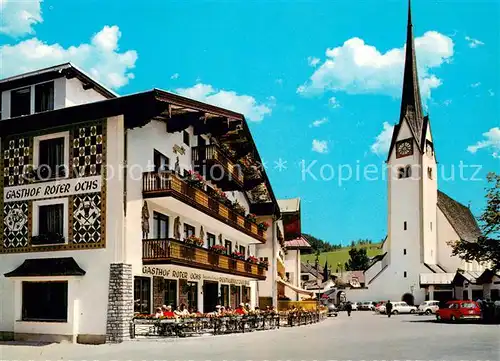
{"x": 215, "y": 165}
{"x": 168, "y": 184}
{"x": 171, "y": 251}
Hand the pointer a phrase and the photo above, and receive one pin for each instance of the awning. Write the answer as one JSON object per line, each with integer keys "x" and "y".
{"x": 436, "y": 278}
{"x": 294, "y": 288}
{"x": 43, "y": 267}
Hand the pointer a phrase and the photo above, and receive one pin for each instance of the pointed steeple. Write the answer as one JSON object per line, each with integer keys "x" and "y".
{"x": 411, "y": 103}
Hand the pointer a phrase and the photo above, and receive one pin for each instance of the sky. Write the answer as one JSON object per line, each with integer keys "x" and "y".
{"x": 319, "y": 83}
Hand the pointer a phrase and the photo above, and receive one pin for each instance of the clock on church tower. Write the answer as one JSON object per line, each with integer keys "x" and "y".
{"x": 404, "y": 148}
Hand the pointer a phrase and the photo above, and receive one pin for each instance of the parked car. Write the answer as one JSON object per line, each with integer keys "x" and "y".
{"x": 367, "y": 306}
{"x": 459, "y": 311}
{"x": 428, "y": 307}
{"x": 355, "y": 305}
{"x": 402, "y": 307}
{"x": 380, "y": 308}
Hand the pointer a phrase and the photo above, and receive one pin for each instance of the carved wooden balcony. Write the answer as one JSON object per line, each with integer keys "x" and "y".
{"x": 212, "y": 162}
{"x": 171, "y": 251}
{"x": 168, "y": 184}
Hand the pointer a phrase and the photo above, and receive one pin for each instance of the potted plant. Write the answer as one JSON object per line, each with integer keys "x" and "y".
{"x": 264, "y": 263}
{"x": 251, "y": 217}
{"x": 263, "y": 226}
{"x": 47, "y": 238}
{"x": 195, "y": 179}
{"x": 238, "y": 255}
{"x": 218, "y": 248}
{"x": 253, "y": 260}
{"x": 196, "y": 241}
{"x": 238, "y": 208}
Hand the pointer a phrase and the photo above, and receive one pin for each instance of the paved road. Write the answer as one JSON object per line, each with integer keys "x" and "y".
{"x": 363, "y": 337}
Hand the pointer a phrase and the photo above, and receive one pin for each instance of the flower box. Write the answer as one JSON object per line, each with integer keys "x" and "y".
{"x": 218, "y": 248}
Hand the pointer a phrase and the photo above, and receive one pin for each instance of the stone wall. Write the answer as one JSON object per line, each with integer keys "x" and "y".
{"x": 120, "y": 302}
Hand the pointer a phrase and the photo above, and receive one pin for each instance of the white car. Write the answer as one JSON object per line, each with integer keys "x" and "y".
{"x": 380, "y": 308}
{"x": 354, "y": 306}
{"x": 428, "y": 307}
{"x": 402, "y": 307}
{"x": 367, "y": 305}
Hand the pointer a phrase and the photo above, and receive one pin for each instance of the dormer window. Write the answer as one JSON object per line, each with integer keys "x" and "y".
{"x": 44, "y": 97}
{"x": 20, "y": 102}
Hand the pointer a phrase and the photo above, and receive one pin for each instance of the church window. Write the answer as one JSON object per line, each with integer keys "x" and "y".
{"x": 405, "y": 226}
{"x": 404, "y": 251}
{"x": 404, "y": 274}
{"x": 429, "y": 172}
{"x": 431, "y": 226}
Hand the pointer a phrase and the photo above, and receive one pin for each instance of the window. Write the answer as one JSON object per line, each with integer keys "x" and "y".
{"x": 171, "y": 293}
{"x": 51, "y": 158}
{"x": 304, "y": 277}
{"x": 201, "y": 141}
{"x": 224, "y": 295}
{"x": 185, "y": 137}
{"x": 404, "y": 274}
{"x": 44, "y": 97}
{"x": 405, "y": 226}
{"x": 50, "y": 224}
{"x": 161, "y": 162}
{"x": 404, "y": 172}
{"x": 45, "y": 301}
{"x": 243, "y": 250}
{"x": 431, "y": 226}
{"x": 429, "y": 172}
{"x": 404, "y": 251}
{"x": 142, "y": 295}
{"x": 211, "y": 239}
{"x": 160, "y": 226}
{"x": 229, "y": 246}
{"x": 20, "y": 102}
{"x": 188, "y": 230}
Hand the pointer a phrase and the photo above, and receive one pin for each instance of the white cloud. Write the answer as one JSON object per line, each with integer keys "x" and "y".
{"x": 447, "y": 102}
{"x": 100, "y": 57}
{"x": 383, "y": 140}
{"x": 318, "y": 122}
{"x": 491, "y": 141}
{"x": 19, "y": 16}
{"x": 473, "y": 43}
{"x": 333, "y": 102}
{"x": 491, "y": 92}
{"x": 244, "y": 104}
{"x": 174, "y": 76}
{"x": 357, "y": 68}
{"x": 320, "y": 146}
{"x": 279, "y": 81}
{"x": 312, "y": 61}
{"x": 475, "y": 85}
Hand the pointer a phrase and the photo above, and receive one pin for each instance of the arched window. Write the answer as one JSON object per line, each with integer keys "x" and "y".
{"x": 408, "y": 171}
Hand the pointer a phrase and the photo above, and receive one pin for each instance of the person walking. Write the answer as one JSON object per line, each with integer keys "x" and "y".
{"x": 388, "y": 308}
{"x": 348, "y": 308}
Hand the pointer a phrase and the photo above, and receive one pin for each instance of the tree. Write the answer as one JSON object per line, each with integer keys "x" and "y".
{"x": 358, "y": 260}
{"x": 487, "y": 248}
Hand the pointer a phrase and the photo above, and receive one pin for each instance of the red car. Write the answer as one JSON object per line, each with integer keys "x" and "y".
{"x": 459, "y": 311}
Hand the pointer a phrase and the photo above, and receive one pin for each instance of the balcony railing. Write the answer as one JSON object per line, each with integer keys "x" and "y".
{"x": 215, "y": 165}
{"x": 171, "y": 251}
{"x": 168, "y": 184}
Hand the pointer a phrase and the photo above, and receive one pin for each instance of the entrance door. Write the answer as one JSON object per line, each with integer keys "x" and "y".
{"x": 210, "y": 296}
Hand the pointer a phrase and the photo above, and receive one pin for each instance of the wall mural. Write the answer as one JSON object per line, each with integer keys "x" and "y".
{"x": 86, "y": 213}
{"x": 15, "y": 224}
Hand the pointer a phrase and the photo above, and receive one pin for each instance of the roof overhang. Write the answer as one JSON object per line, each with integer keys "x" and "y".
{"x": 47, "y": 267}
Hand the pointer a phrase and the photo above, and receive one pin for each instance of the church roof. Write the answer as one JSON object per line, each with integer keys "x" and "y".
{"x": 306, "y": 267}
{"x": 411, "y": 102}
{"x": 459, "y": 216}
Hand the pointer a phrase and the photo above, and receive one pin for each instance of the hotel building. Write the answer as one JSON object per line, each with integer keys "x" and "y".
{"x": 103, "y": 216}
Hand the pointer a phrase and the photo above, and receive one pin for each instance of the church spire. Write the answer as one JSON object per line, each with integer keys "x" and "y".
{"x": 411, "y": 103}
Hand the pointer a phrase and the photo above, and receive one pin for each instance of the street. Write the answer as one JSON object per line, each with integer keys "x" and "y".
{"x": 364, "y": 336}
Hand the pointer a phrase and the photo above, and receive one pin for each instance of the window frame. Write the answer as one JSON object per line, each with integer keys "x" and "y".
{"x": 35, "y": 231}
{"x": 157, "y": 219}
{"x": 230, "y": 243}
{"x": 12, "y": 92}
{"x": 66, "y": 150}
{"x": 157, "y": 160}
{"x": 187, "y": 227}
{"x": 186, "y": 136}
{"x": 35, "y": 86}
{"x": 148, "y": 282}
{"x": 24, "y": 318}
{"x": 211, "y": 237}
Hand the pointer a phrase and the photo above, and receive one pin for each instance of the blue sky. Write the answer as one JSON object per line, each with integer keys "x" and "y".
{"x": 317, "y": 80}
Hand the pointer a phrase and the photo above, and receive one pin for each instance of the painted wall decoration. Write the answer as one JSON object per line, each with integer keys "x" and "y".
{"x": 87, "y": 218}
{"x": 88, "y": 150}
{"x": 85, "y": 189}
{"x": 15, "y": 225}
{"x": 16, "y": 158}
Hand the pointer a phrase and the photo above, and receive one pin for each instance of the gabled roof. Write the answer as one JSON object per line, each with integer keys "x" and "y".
{"x": 44, "y": 267}
{"x": 297, "y": 243}
{"x": 460, "y": 217}
{"x": 289, "y": 205}
{"x": 311, "y": 268}
{"x": 67, "y": 70}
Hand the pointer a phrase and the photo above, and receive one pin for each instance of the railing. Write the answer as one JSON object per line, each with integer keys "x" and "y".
{"x": 173, "y": 251}
{"x": 213, "y": 153}
{"x": 170, "y": 184}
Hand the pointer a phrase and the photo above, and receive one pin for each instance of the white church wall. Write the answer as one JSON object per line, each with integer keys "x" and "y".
{"x": 446, "y": 233}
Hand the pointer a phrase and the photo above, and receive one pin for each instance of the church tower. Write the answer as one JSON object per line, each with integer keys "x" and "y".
{"x": 412, "y": 182}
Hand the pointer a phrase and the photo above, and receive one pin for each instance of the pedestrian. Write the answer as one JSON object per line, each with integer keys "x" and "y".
{"x": 348, "y": 308}
{"x": 388, "y": 308}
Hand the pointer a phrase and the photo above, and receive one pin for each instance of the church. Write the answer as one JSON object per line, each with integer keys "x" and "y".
{"x": 416, "y": 263}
